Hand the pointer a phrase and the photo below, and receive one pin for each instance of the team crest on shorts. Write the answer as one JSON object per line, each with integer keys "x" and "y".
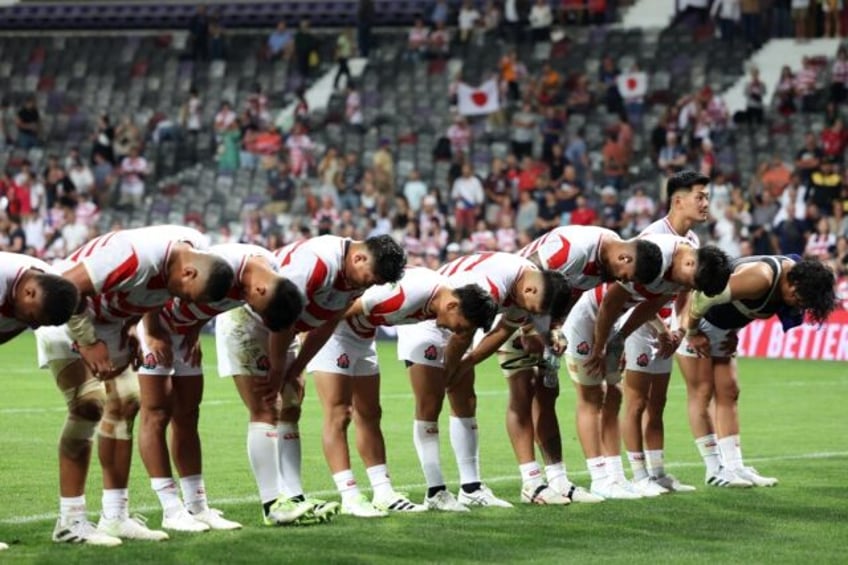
{"x": 642, "y": 360}
{"x": 343, "y": 362}
{"x": 583, "y": 348}
{"x": 263, "y": 363}
{"x": 431, "y": 353}
{"x": 149, "y": 361}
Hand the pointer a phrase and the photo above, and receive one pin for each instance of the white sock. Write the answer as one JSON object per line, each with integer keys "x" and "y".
{"x": 194, "y": 493}
{"x": 708, "y": 448}
{"x": 288, "y": 451}
{"x": 597, "y": 468}
{"x": 637, "y": 465}
{"x": 346, "y": 485}
{"x": 557, "y": 477}
{"x": 465, "y": 442}
{"x": 381, "y": 484}
{"x": 731, "y": 452}
{"x": 72, "y": 508}
{"x": 425, "y": 436}
{"x": 169, "y": 497}
{"x": 262, "y": 453}
{"x": 116, "y": 503}
{"x": 531, "y": 474}
{"x": 656, "y": 462}
{"x": 615, "y": 468}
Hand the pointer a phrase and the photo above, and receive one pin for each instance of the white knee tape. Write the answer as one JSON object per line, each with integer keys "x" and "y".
{"x": 115, "y": 429}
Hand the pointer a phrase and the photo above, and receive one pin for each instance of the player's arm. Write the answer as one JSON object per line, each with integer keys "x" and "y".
{"x": 157, "y": 338}
{"x": 748, "y": 283}
{"x": 490, "y": 343}
{"x": 81, "y": 327}
{"x": 645, "y": 313}
{"x": 8, "y": 336}
{"x": 612, "y": 306}
{"x": 315, "y": 340}
{"x": 356, "y": 309}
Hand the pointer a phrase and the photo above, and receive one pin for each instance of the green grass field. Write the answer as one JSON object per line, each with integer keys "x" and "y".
{"x": 794, "y": 427}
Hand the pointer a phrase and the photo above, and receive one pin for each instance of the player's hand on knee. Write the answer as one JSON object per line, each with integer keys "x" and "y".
{"x": 191, "y": 345}
{"x": 595, "y": 363}
{"x": 667, "y": 344}
{"x": 730, "y": 343}
{"x": 96, "y": 356}
{"x": 533, "y": 344}
{"x": 160, "y": 346}
{"x": 700, "y": 343}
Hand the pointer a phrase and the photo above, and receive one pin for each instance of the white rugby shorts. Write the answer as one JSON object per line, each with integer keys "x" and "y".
{"x": 346, "y": 353}
{"x": 241, "y": 341}
{"x": 179, "y": 350}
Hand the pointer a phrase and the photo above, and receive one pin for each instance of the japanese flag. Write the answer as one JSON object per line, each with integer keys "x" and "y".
{"x": 632, "y": 85}
{"x": 478, "y": 101}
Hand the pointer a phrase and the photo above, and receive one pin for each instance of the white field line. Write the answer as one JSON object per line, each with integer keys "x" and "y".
{"x": 398, "y": 396}
{"x": 32, "y": 518}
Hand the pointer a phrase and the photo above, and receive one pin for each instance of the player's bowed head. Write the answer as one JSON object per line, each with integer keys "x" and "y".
{"x": 377, "y": 260}
{"x": 467, "y": 308}
{"x": 636, "y": 260}
{"x": 44, "y": 299}
{"x": 198, "y": 276}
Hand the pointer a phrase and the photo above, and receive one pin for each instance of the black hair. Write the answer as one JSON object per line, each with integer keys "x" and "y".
{"x": 713, "y": 270}
{"x": 648, "y": 261}
{"x": 59, "y": 299}
{"x": 284, "y": 308}
{"x": 556, "y": 294}
{"x": 389, "y": 258}
{"x": 477, "y": 306}
{"x": 684, "y": 181}
{"x": 219, "y": 281}
{"x": 814, "y": 285}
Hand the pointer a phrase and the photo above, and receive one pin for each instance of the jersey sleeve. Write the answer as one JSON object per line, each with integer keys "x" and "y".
{"x": 556, "y": 254}
{"x": 383, "y": 299}
{"x": 306, "y": 270}
{"x": 112, "y": 266}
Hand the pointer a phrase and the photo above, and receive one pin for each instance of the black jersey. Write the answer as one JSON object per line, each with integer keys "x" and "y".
{"x": 739, "y": 313}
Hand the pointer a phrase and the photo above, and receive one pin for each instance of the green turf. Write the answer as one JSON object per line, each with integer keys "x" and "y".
{"x": 794, "y": 428}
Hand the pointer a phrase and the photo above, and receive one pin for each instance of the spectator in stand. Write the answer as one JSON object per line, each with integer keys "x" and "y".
{"x": 826, "y": 187}
{"x": 634, "y": 103}
{"x": 383, "y": 165}
{"x": 834, "y": 139}
{"x": 483, "y": 238}
{"x": 801, "y": 17}
{"x": 840, "y": 265}
{"x": 326, "y": 217}
{"x": 509, "y": 75}
{"x": 467, "y": 21}
{"x": 808, "y": 158}
{"x": 256, "y": 108}
{"x": 81, "y": 177}
{"x": 440, "y": 13}
{"x": 528, "y": 211}
{"x": 639, "y": 212}
{"x": 597, "y": 11}
{"x": 552, "y": 126}
{"x": 133, "y": 171}
{"x": 281, "y": 42}
{"x": 217, "y": 40}
{"x": 541, "y": 18}
{"x": 614, "y": 161}
{"x": 17, "y": 237}
{"x": 499, "y": 191}
{"x": 301, "y": 109}
{"x": 513, "y": 20}
{"x": 104, "y": 178}
{"x": 353, "y": 108}
{"x": 416, "y": 41}
{"x": 549, "y": 215}
{"x": 580, "y": 98}
{"x": 822, "y": 243}
{"x": 785, "y": 92}
{"x": 229, "y": 149}
{"x": 752, "y": 23}
{"x": 755, "y": 94}
{"x": 468, "y": 197}
{"x": 831, "y": 9}
{"x": 839, "y": 77}
{"x": 57, "y": 185}
{"x": 329, "y": 174}
{"x": 438, "y": 43}
{"x": 491, "y": 19}
{"x": 365, "y": 16}
{"x": 805, "y": 85}
{"x": 281, "y": 188}
{"x": 763, "y": 213}
{"x": 569, "y": 190}
{"x": 672, "y": 156}
{"x": 707, "y": 161}
{"x": 791, "y": 232}
{"x": 775, "y": 175}
{"x": 727, "y": 13}
{"x": 583, "y": 214}
{"x": 28, "y": 122}
{"x": 573, "y": 12}
{"x": 524, "y": 125}
{"x": 224, "y": 119}
{"x": 506, "y": 235}
{"x": 459, "y": 135}
{"x": 86, "y": 211}
{"x": 305, "y": 50}
{"x": 607, "y": 74}
{"x": 612, "y": 212}
{"x": 414, "y": 190}
{"x": 104, "y": 138}
{"x": 344, "y": 51}
{"x": 549, "y": 87}
{"x": 198, "y": 29}
{"x": 528, "y": 176}
{"x": 577, "y": 154}
{"x": 350, "y": 185}
{"x": 300, "y": 148}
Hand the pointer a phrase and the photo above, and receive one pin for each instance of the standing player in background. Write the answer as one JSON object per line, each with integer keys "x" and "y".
{"x": 347, "y": 376}
{"x": 171, "y": 380}
{"x": 331, "y": 272}
{"x": 32, "y": 295}
{"x": 433, "y": 356}
{"x": 684, "y": 267}
{"x": 586, "y": 256}
{"x": 760, "y": 287}
{"x": 120, "y": 276}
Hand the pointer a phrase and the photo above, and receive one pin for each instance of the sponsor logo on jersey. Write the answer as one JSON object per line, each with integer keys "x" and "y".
{"x": 583, "y": 348}
{"x": 263, "y": 363}
{"x": 149, "y": 361}
{"x": 431, "y": 353}
{"x": 343, "y": 362}
{"x": 642, "y": 360}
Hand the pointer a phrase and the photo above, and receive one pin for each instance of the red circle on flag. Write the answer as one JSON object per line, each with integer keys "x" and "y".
{"x": 480, "y": 98}
{"x": 632, "y": 83}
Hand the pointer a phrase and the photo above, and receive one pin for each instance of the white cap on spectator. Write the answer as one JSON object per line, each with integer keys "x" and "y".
{"x": 453, "y": 247}
{"x": 428, "y": 200}
{"x": 609, "y": 191}
{"x": 467, "y": 246}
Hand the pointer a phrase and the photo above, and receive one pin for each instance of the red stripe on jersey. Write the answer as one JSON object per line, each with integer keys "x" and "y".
{"x": 483, "y": 257}
{"x": 390, "y": 305}
{"x": 559, "y": 258}
{"x": 157, "y": 283}
{"x": 287, "y": 258}
{"x": 599, "y": 293}
{"x": 128, "y": 308}
{"x": 591, "y": 269}
{"x": 456, "y": 267}
{"x": 316, "y": 279}
{"x": 123, "y": 272}
{"x": 319, "y": 312}
{"x": 496, "y": 295}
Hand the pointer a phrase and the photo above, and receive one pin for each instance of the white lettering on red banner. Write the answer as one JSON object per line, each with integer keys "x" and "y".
{"x": 766, "y": 338}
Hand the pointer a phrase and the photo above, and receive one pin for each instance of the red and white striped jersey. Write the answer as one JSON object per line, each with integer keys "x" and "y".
{"x": 496, "y": 273}
{"x": 400, "y": 303}
{"x": 316, "y": 267}
{"x": 181, "y": 315}
{"x": 574, "y": 251}
{"x": 668, "y": 244}
{"x": 12, "y": 268}
{"x": 664, "y": 226}
{"x": 127, "y": 269}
